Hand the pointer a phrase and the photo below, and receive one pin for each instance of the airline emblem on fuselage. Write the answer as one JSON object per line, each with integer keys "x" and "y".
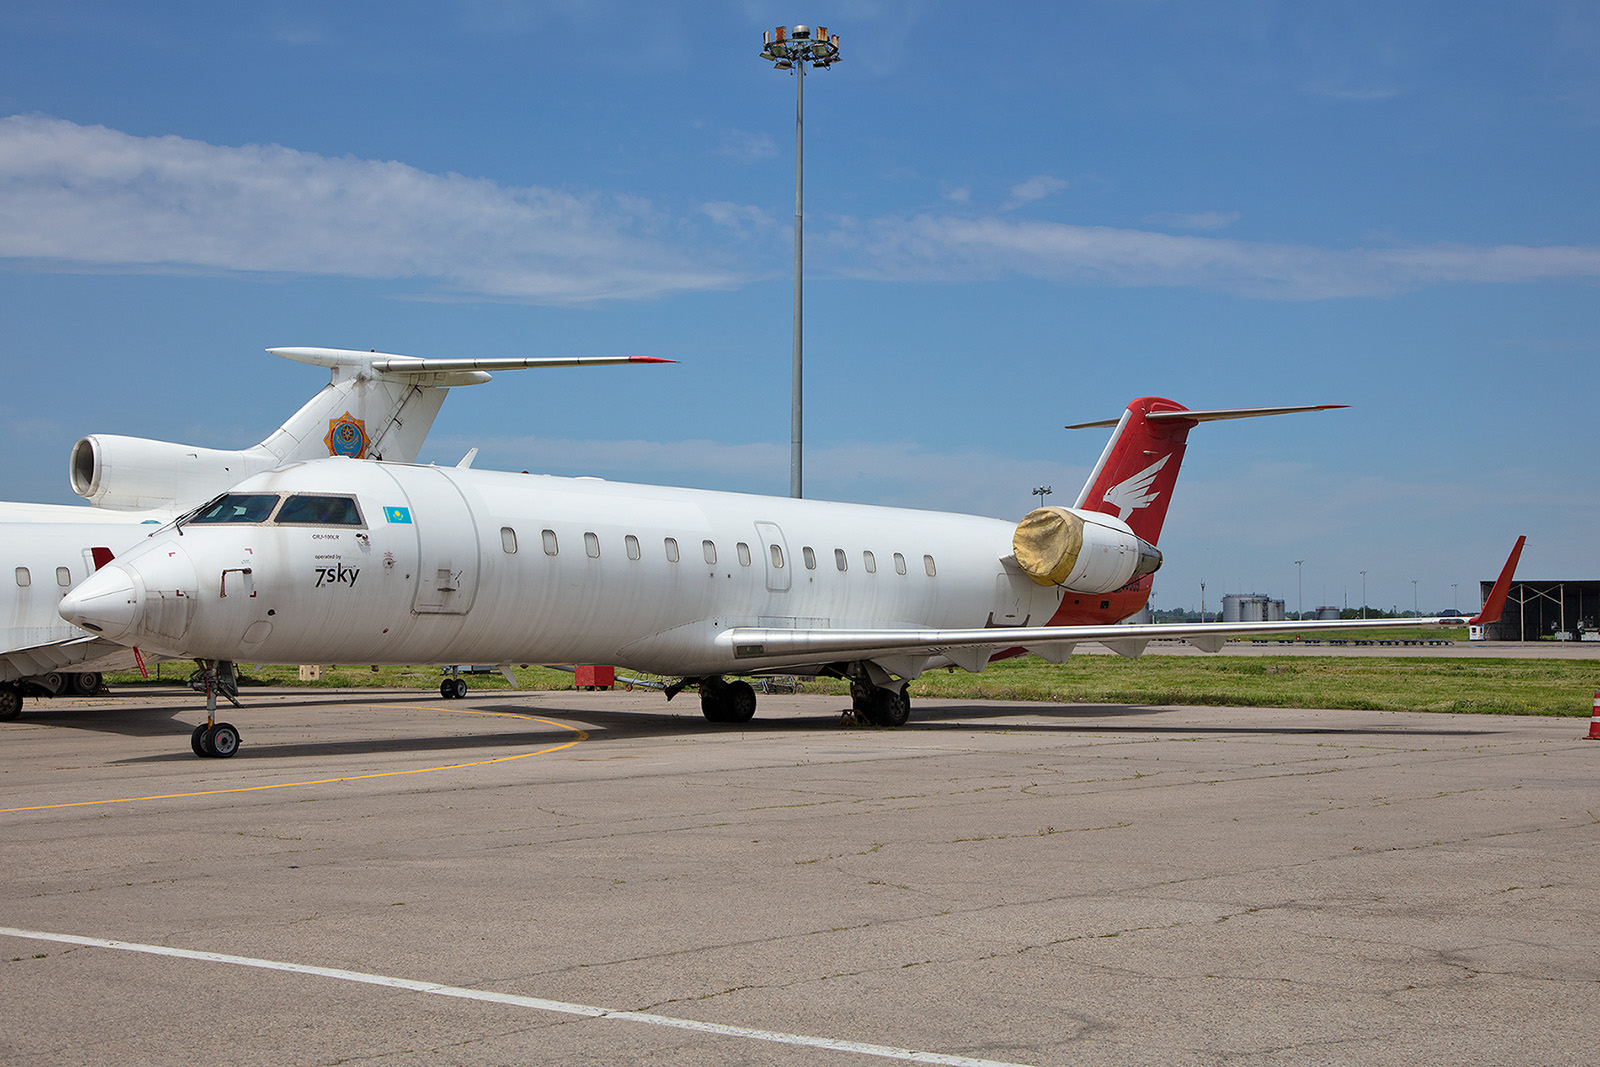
{"x": 347, "y": 436}
{"x": 1135, "y": 492}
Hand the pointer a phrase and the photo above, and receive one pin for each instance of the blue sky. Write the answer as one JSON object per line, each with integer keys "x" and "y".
{"x": 1018, "y": 216}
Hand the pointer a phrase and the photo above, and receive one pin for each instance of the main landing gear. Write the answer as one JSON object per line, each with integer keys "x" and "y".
{"x": 722, "y": 701}
{"x": 212, "y": 738}
{"x": 879, "y": 705}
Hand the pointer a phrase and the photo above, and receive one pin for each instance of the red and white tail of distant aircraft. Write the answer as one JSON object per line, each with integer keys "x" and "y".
{"x": 376, "y": 406}
{"x": 339, "y": 561}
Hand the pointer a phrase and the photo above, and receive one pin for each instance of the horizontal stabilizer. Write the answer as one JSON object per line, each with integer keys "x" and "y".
{"x": 1214, "y": 415}
{"x": 411, "y": 366}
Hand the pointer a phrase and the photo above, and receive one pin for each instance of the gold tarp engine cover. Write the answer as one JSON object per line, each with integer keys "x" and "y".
{"x": 1047, "y": 543}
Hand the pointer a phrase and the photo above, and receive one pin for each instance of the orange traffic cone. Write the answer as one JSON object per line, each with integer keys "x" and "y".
{"x": 1594, "y": 719}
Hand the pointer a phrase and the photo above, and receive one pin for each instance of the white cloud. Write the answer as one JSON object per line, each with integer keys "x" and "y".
{"x": 747, "y": 147}
{"x": 939, "y": 248}
{"x": 1198, "y": 220}
{"x": 89, "y": 195}
{"x": 1035, "y": 188}
{"x": 745, "y": 219}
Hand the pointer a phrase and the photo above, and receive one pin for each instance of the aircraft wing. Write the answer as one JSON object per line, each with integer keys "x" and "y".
{"x": 973, "y": 648}
{"x": 85, "y": 653}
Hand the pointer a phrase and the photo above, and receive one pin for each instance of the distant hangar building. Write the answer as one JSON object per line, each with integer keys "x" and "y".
{"x": 1546, "y": 611}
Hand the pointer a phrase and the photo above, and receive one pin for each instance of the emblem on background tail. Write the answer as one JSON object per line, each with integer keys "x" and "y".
{"x": 347, "y": 436}
{"x": 1135, "y": 492}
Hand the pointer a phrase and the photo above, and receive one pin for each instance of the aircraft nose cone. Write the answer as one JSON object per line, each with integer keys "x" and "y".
{"x": 105, "y": 603}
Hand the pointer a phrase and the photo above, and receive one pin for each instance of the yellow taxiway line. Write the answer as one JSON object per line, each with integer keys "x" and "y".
{"x": 582, "y": 736}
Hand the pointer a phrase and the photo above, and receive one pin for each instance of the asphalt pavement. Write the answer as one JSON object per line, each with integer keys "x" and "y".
{"x": 586, "y": 878}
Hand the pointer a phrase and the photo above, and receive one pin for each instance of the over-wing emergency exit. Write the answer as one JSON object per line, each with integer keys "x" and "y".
{"x": 375, "y": 406}
{"x": 335, "y": 561}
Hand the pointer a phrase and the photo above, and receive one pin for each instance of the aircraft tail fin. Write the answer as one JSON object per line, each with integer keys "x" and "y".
{"x": 1137, "y": 471}
{"x": 381, "y": 406}
{"x": 1496, "y": 601}
{"x": 375, "y": 406}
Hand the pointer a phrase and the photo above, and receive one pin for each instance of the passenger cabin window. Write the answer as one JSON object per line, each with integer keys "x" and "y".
{"x": 839, "y": 559}
{"x": 869, "y": 562}
{"x": 550, "y": 546}
{"x": 709, "y": 550}
{"x": 927, "y": 565}
{"x": 632, "y": 544}
{"x": 63, "y": 577}
{"x": 744, "y": 554}
{"x": 899, "y": 563}
{"x": 308, "y": 510}
{"x": 811, "y": 558}
{"x": 777, "y": 557}
{"x": 24, "y": 579}
{"x": 672, "y": 549}
{"x": 508, "y": 540}
{"x": 237, "y": 507}
{"x": 591, "y": 545}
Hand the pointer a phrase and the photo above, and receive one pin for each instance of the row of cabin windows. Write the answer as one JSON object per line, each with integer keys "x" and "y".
{"x": 25, "y": 577}
{"x": 708, "y": 551}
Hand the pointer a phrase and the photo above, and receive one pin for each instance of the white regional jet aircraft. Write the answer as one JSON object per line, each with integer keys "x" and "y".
{"x": 376, "y": 406}
{"x": 335, "y": 561}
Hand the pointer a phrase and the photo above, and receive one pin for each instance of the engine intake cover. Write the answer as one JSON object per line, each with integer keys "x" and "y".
{"x": 1085, "y": 552}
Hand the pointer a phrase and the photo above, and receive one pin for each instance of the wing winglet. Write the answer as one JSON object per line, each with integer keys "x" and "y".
{"x": 1502, "y": 586}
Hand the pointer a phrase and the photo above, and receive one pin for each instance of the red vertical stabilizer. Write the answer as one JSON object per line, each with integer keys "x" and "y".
{"x": 1138, "y": 469}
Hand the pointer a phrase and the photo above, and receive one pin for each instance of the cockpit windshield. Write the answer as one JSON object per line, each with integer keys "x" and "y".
{"x": 307, "y": 510}
{"x": 236, "y": 507}
{"x": 300, "y": 509}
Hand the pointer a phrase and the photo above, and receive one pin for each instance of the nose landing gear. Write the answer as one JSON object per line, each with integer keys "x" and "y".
{"x": 212, "y": 738}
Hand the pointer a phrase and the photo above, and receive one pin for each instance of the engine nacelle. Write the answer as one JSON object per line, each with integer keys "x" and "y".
{"x": 1084, "y": 551}
{"x": 132, "y": 473}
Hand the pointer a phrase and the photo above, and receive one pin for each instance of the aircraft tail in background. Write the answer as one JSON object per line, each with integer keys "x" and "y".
{"x": 376, "y": 406}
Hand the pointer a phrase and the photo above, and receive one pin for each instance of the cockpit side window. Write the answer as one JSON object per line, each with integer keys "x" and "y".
{"x": 237, "y": 507}
{"x": 308, "y": 510}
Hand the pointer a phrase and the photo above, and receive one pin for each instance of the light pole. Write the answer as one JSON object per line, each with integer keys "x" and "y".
{"x": 1414, "y": 612}
{"x": 1363, "y": 594}
{"x": 1299, "y": 573}
{"x": 792, "y": 50}
{"x": 1042, "y": 491}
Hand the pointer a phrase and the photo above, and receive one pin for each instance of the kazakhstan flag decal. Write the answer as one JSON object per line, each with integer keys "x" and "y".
{"x": 402, "y": 515}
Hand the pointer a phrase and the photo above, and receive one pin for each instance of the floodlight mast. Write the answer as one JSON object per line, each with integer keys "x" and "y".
{"x": 792, "y": 49}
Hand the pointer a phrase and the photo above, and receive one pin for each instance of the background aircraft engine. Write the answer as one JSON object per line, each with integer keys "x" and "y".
{"x": 1082, "y": 551}
{"x": 128, "y": 473}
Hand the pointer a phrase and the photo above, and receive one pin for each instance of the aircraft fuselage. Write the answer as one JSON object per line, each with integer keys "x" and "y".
{"x": 441, "y": 565}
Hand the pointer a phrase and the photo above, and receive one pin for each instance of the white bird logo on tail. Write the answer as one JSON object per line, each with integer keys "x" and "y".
{"x": 1135, "y": 491}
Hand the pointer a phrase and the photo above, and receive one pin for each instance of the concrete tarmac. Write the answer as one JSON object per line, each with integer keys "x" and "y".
{"x": 390, "y": 878}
